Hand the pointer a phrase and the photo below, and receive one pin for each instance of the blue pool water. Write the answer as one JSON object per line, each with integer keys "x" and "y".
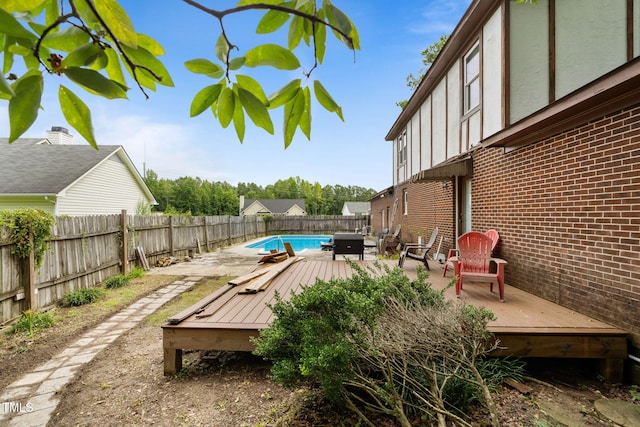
{"x": 298, "y": 242}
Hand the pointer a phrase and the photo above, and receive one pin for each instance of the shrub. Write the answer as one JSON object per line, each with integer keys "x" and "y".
{"x": 385, "y": 344}
{"x": 116, "y": 281}
{"x": 314, "y": 335}
{"x": 83, "y": 296}
{"x": 135, "y": 273}
{"x": 33, "y": 320}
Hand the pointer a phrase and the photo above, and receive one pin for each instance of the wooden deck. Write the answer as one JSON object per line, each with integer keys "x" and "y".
{"x": 526, "y": 325}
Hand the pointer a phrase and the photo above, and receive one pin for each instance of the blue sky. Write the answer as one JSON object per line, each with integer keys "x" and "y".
{"x": 159, "y": 134}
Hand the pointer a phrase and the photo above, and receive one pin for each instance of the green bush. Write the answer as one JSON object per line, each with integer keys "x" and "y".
{"x": 116, "y": 281}
{"x": 313, "y": 336}
{"x": 33, "y": 320}
{"x": 83, "y": 296}
{"x": 385, "y": 344}
{"x": 135, "y": 273}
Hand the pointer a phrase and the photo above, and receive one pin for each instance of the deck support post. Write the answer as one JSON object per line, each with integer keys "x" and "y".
{"x": 172, "y": 360}
{"x": 612, "y": 370}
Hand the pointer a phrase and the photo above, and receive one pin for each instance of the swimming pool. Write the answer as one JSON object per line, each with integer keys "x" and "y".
{"x": 298, "y": 242}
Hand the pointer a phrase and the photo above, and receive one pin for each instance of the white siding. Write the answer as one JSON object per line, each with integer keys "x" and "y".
{"x": 454, "y": 111}
{"x": 394, "y": 156}
{"x": 491, "y": 78}
{"x": 636, "y": 28}
{"x": 589, "y": 41}
{"x": 107, "y": 189}
{"x": 296, "y": 211}
{"x": 414, "y": 146}
{"x": 529, "y": 58}
{"x": 254, "y": 209}
{"x": 425, "y": 134}
{"x": 439, "y": 123}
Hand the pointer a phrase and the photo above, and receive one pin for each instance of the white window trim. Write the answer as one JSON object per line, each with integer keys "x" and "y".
{"x": 468, "y": 81}
{"x": 405, "y": 202}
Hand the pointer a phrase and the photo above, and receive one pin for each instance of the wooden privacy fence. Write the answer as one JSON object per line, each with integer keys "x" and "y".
{"x": 85, "y": 251}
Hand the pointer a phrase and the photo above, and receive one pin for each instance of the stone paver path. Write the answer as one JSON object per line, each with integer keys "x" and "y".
{"x": 31, "y": 400}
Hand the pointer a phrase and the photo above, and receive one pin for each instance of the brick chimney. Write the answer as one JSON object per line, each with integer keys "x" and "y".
{"x": 59, "y": 136}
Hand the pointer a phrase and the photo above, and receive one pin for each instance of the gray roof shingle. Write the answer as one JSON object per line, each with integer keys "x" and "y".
{"x": 46, "y": 169}
{"x": 276, "y": 206}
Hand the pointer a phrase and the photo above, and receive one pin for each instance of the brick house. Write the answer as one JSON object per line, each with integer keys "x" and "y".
{"x": 529, "y": 122}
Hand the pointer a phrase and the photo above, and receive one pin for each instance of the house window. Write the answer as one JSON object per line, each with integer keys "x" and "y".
{"x": 402, "y": 149}
{"x": 405, "y": 198}
{"x": 472, "y": 79}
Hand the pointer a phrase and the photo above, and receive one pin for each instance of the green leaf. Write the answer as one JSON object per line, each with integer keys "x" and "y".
{"x": 222, "y": 49}
{"x": 23, "y": 107}
{"x": 296, "y": 31}
{"x": 9, "y": 25}
{"x": 77, "y": 114}
{"x": 21, "y": 5}
{"x": 5, "y": 87}
{"x": 293, "y": 111}
{"x": 143, "y": 58}
{"x": 256, "y": 110}
{"x": 272, "y": 55}
{"x": 238, "y": 118}
{"x": 83, "y": 56}
{"x": 237, "y": 62}
{"x": 226, "y": 105}
{"x": 113, "y": 68}
{"x": 66, "y": 40}
{"x": 205, "y": 99}
{"x": 326, "y": 100}
{"x": 320, "y": 41}
{"x": 341, "y": 21}
{"x": 305, "y": 120}
{"x": 271, "y": 21}
{"x": 52, "y": 12}
{"x": 250, "y": 84}
{"x": 95, "y": 82}
{"x": 117, "y": 20}
{"x": 285, "y": 94}
{"x": 150, "y": 44}
{"x": 204, "y": 66}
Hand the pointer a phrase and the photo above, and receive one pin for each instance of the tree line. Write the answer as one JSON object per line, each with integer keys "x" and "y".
{"x": 196, "y": 196}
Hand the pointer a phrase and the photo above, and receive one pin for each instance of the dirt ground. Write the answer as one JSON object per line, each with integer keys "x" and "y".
{"x": 124, "y": 385}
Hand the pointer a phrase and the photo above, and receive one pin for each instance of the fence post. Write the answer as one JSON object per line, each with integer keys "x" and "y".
{"x": 171, "y": 249}
{"x": 229, "y": 229}
{"x": 29, "y": 279}
{"x": 125, "y": 242}
{"x": 206, "y": 233}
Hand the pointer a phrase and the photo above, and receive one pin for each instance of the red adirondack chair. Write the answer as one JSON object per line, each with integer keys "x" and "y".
{"x": 493, "y": 234}
{"x": 473, "y": 261}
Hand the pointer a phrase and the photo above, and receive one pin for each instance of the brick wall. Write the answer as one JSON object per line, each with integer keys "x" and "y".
{"x": 568, "y": 213}
{"x": 430, "y": 205}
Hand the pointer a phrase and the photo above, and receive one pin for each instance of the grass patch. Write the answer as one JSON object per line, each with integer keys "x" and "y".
{"x": 118, "y": 281}
{"x": 32, "y": 320}
{"x": 83, "y": 296}
{"x": 185, "y": 300}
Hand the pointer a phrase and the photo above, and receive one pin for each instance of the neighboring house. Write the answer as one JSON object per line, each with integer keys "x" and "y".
{"x": 356, "y": 208}
{"x": 529, "y": 122}
{"x": 65, "y": 179}
{"x": 272, "y": 206}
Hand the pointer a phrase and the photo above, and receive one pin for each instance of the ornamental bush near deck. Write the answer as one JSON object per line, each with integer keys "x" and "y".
{"x": 378, "y": 341}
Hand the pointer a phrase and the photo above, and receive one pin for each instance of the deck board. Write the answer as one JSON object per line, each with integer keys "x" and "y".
{"x": 526, "y": 324}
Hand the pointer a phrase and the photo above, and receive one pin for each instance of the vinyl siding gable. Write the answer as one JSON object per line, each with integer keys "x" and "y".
{"x": 107, "y": 189}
